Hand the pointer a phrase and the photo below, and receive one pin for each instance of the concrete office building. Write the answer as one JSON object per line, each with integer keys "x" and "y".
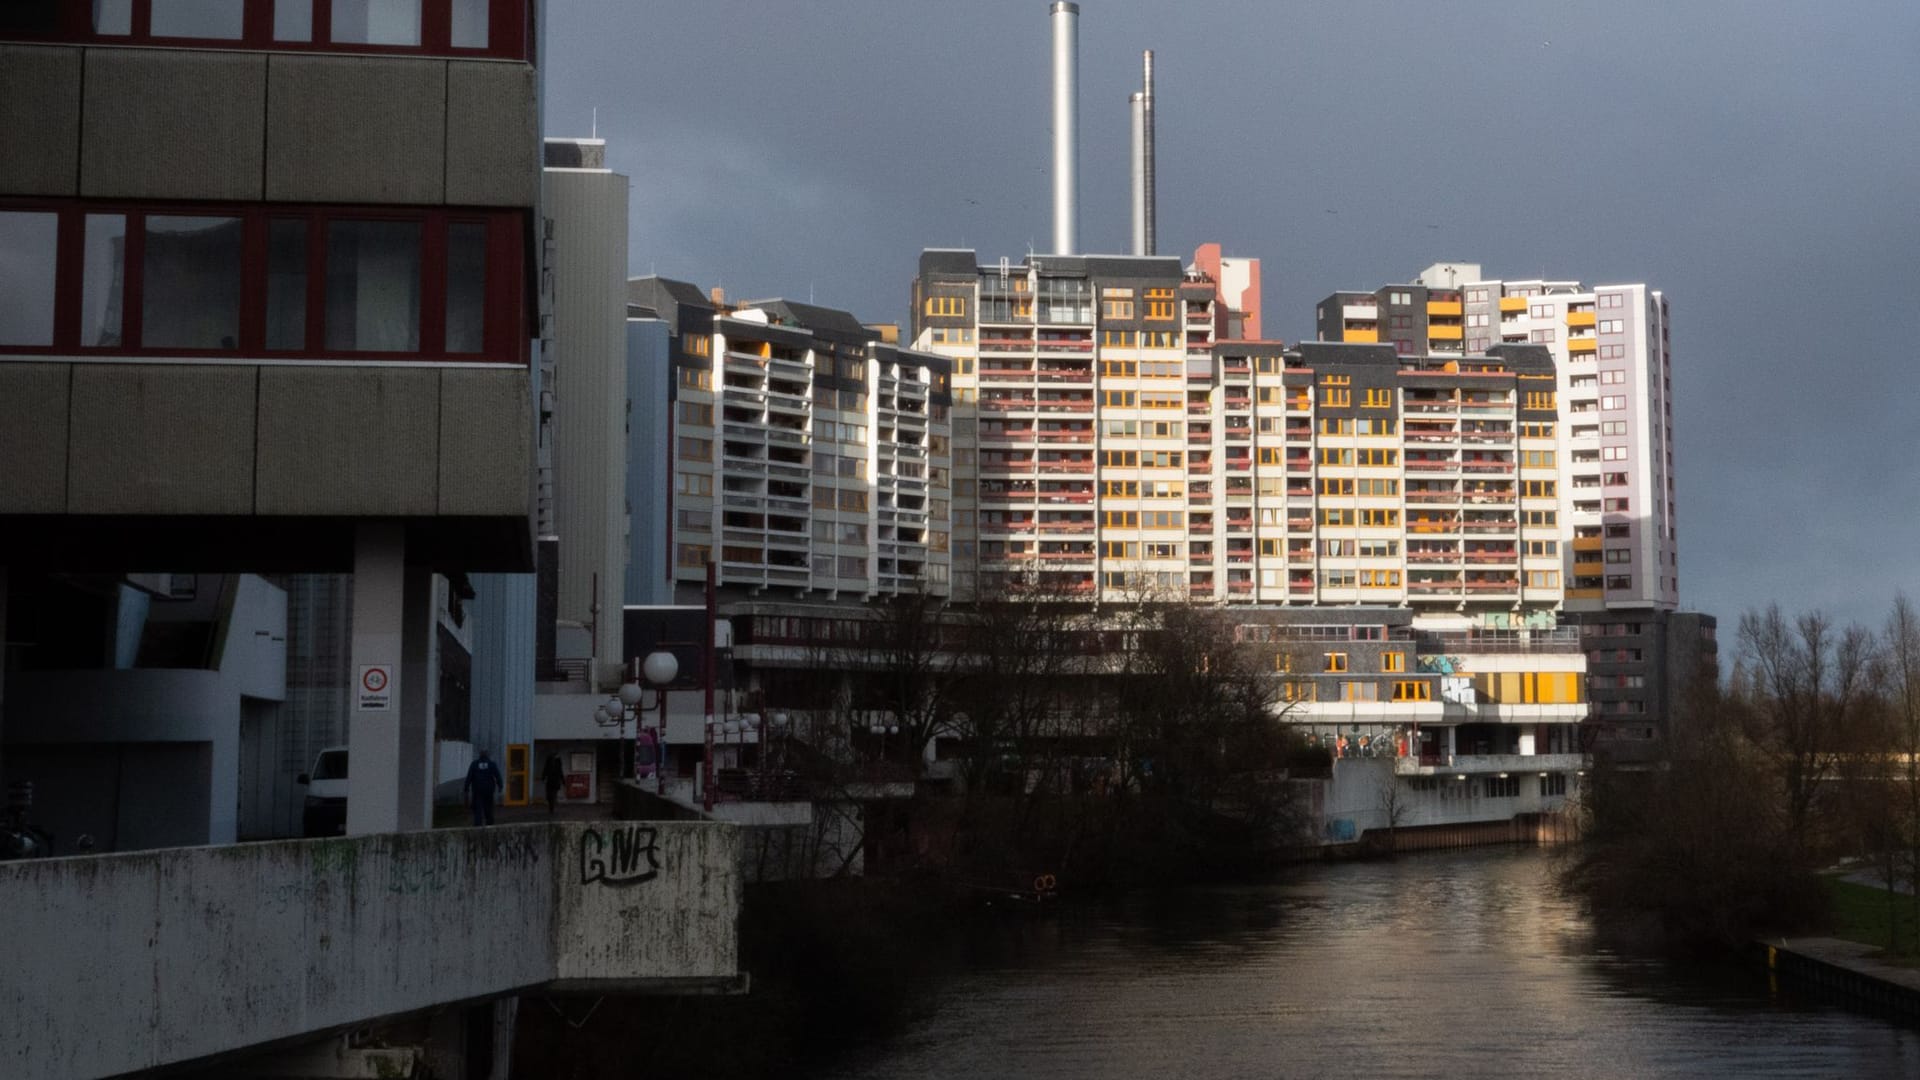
{"x": 268, "y": 285}
{"x": 269, "y": 309}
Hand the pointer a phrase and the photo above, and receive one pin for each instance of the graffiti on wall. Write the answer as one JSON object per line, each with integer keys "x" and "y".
{"x": 627, "y": 855}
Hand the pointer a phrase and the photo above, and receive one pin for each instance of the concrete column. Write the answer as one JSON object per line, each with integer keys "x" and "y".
{"x": 3, "y": 673}
{"x": 419, "y": 690}
{"x": 1451, "y": 744}
{"x": 373, "y": 725}
{"x": 505, "y": 1012}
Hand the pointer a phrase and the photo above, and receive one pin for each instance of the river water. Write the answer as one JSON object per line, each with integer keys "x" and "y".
{"x": 1463, "y": 964}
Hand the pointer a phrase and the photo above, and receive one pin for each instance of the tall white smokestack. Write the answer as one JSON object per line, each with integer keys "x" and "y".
{"x": 1137, "y": 105}
{"x": 1148, "y": 197}
{"x": 1066, "y": 127}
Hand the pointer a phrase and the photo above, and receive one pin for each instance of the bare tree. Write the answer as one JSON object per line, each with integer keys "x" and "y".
{"x": 1018, "y": 701}
{"x": 1901, "y": 654}
{"x": 1810, "y": 686}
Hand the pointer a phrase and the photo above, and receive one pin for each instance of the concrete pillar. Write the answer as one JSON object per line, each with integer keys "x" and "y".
{"x": 419, "y": 689}
{"x": 1452, "y": 744}
{"x": 373, "y": 725}
{"x": 390, "y": 729}
{"x": 505, "y": 1012}
{"x": 3, "y": 672}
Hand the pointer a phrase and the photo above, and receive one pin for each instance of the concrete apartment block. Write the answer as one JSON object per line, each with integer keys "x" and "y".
{"x": 492, "y": 139}
{"x": 483, "y": 456}
{"x": 172, "y": 124}
{"x": 40, "y": 97}
{"x": 139, "y": 445}
{"x": 334, "y": 133}
{"x": 33, "y": 437}
{"x": 363, "y": 441}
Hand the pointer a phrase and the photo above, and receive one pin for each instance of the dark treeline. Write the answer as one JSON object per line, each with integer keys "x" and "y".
{"x": 1136, "y": 743}
{"x": 1809, "y": 754}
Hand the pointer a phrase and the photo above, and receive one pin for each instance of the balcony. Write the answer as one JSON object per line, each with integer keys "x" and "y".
{"x": 1440, "y": 764}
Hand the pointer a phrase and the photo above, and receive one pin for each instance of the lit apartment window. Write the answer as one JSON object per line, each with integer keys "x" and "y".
{"x": 1412, "y": 690}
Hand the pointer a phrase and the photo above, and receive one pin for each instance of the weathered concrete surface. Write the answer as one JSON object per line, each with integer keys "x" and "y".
{"x": 136, "y": 961}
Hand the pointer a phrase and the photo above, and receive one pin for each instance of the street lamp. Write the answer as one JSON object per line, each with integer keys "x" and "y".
{"x": 660, "y": 668}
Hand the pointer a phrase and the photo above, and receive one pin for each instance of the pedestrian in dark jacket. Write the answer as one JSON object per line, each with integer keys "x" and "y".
{"x": 556, "y": 778}
{"x": 483, "y": 785}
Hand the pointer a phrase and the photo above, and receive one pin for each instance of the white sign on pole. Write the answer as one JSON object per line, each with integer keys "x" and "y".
{"x": 376, "y": 688}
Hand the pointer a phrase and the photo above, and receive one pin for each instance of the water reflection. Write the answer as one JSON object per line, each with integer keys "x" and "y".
{"x": 1466, "y": 964}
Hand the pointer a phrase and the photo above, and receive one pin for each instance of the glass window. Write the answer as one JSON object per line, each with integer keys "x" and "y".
{"x": 286, "y": 284}
{"x": 217, "y": 19}
{"x": 101, "y": 280}
{"x": 191, "y": 282}
{"x": 466, "y": 286}
{"x": 28, "y": 246}
{"x": 113, "y": 16}
{"x": 30, "y": 17}
{"x": 470, "y": 24}
{"x": 293, "y": 20}
{"x": 376, "y": 22}
{"x": 373, "y": 286}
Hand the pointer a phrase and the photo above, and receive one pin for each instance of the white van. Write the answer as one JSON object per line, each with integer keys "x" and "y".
{"x": 326, "y": 810}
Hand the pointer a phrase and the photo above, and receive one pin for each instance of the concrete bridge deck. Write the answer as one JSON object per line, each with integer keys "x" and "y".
{"x": 118, "y": 963}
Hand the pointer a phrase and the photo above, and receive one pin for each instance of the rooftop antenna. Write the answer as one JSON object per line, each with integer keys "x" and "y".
{"x": 596, "y": 121}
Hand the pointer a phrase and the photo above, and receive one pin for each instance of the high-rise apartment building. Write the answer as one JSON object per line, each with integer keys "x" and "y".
{"x": 1610, "y": 352}
{"x": 1106, "y": 444}
{"x": 810, "y": 455}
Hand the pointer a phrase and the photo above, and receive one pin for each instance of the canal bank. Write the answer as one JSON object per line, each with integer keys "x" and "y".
{"x": 1848, "y": 971}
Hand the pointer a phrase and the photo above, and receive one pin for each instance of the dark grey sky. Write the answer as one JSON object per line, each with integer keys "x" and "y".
{"x": 1757, "y": 161}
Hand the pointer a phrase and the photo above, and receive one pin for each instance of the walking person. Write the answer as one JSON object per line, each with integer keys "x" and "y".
{"x": 555, "y": 778}
{"x": 483, "y": 783}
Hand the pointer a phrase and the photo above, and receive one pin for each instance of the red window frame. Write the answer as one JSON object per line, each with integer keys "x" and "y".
{"x": 504, "y": 305}
{"x": 509, "y": 31}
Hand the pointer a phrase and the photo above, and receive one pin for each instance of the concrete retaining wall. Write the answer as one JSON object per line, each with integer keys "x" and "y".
{"x": 135, "y": 961}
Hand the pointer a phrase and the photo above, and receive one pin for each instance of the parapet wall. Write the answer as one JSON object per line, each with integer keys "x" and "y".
{"x": 126, "y": 962}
